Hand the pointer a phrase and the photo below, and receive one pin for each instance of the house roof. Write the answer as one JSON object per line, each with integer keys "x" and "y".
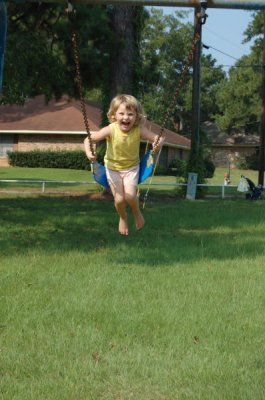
{"x": 35, "y": 115}
{"x": 64, "y": 116}
{"x": 219, "y": 138}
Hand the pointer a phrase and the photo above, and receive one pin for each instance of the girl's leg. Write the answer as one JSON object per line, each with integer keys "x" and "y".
{"x": 120, "y": 205}
{"x": 130, "y": 192}
{"x": 116, "y": 185}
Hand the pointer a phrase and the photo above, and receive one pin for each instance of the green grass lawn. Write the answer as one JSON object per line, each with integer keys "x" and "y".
{"x": 51, "y": 175}
{"x": 79, "y": 175}
{"x": 175, "y": 311}
{"x": 48, "y": 174}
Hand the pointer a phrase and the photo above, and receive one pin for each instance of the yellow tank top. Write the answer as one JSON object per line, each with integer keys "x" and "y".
{"x": 122, "y": 148}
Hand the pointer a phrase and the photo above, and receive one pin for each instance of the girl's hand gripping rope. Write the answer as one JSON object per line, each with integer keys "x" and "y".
{"x": 91, "y": 156}
{"x": 90, "y": 153}
{"x": 158, "y": 143}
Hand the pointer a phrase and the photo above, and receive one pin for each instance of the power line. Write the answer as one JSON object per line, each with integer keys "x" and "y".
{"x": 222, "y": 37}
{"x": 207, "y": 47}
{"x": 210, "y": 47}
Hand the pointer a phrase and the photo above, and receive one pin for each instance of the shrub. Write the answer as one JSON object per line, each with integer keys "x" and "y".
{"x": 177, "y": 167}
{"x": 101, "y": 150}
{"x": 209, "y": 168}
{"x": 160, "y": 170}
{"x": 49, "y": 159}
{"x": 250, "y": 161}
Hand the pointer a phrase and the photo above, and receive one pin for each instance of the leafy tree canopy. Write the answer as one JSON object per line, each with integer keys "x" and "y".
{"x": 166, "y": 43}
{"x": 39, "y": 58}
{"x": 239, "y": 96}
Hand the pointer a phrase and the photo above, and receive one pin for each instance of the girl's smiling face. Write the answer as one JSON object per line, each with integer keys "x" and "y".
{"x": 125, "y": 117}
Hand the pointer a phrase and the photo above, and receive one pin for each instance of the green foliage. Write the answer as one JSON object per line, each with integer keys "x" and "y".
{"x": 209, "y": 168}
{"x": 39, "y": 55}
{"x": 166, "y": 43}
{"x": 161, "y": 170}
{"x": 49, "y": 159}
{"x": 239, "y": 96}
{"x": 211, "y": 77}
{"x": 248, "y": 162}
{"x": 255, "y": 28}
{"x": 27, "y": 75}
{"x": 177, "y": 167}
{"x": 180, "y": 168}
{"x": 196, "y": 164}
{"x": 200, "y": 159}
{"x": 101, "y": 150}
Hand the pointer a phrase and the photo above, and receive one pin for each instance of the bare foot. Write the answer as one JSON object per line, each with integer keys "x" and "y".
{"x": 139, "y": 221}
{"x": 123, "y": 226}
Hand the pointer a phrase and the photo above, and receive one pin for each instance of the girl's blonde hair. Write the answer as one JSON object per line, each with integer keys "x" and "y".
{"x": 131, "y": 103}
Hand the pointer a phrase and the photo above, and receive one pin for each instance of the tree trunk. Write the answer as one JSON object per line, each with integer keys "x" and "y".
{"x": 124, "y": 51}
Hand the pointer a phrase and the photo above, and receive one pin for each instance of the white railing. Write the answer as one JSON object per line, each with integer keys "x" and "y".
{"x": 44, "y": 182}
{"x": 223, "y": 187}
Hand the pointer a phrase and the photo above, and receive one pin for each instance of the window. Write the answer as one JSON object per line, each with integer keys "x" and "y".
{"x": 6, "y": 144}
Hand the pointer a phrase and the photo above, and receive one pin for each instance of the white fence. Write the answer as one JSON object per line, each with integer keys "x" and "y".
{"x": 44, "y": 182}
{"x": 223, "y": 188}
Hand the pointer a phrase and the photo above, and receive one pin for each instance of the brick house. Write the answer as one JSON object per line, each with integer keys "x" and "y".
{"x": 59, "y": 125}
{"x": 226, "y": 149}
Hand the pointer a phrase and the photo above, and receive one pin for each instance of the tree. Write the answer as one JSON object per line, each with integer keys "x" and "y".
{"x": 211, "y": 78}
{"x": 39, "y": 42}
{"x": 126, "y": 27}
{"x": 238, "y": 98}
{"x": 166, "y": 43}
{"x": 122, "y": 75}
{"x": 163, "y": 49}
{"x": 39, "y": 57}
{"x": 239, "y": 94}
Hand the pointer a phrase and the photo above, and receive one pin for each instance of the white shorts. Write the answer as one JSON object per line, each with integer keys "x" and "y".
{"x": 120, "y": 179}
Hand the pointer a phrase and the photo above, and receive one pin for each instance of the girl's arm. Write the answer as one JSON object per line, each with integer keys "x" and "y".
{"x": 95, "y": 137}
{"x": 146, "y": 134}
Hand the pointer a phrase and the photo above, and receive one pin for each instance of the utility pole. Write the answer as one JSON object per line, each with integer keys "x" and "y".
{"x": 3, "y": 27}
{"x": 262, "y": 123}
{"x": 199, "y": 19}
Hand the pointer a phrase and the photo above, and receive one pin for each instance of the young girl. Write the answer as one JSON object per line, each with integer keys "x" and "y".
{"x": 121, "y": 160}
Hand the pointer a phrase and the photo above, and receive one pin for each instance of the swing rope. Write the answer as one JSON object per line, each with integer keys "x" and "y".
{"x": 79, "y": 81}
{"x": 172, "y": 106}
{"x": 181, "y": 82}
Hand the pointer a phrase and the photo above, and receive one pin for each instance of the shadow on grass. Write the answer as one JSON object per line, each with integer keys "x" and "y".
{"x": 176, "y": 231}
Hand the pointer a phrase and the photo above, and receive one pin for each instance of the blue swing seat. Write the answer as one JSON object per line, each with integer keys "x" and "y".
{"x": 146, "y": 169}
{"x": 146, "y": 166}
{"x": 99, "y": 173}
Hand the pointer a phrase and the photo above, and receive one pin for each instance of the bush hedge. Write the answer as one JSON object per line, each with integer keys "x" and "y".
{"x": 77, "y": 160}
{"x": 250, "y": 161}
{"x": 179, "y": 168}
{"x": 49, "y": 159}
